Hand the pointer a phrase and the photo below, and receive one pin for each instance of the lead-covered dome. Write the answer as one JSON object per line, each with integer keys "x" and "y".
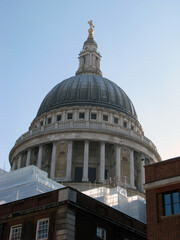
{"x": 88, "y": 90}
{"x": 86, "y": 130}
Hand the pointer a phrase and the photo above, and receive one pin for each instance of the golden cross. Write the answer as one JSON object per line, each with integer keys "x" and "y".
{"x": 91, "y": 24}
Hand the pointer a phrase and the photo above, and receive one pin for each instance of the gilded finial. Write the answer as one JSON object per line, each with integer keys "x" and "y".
{"x": 91, "y": 31}
{"x": 91, "y": 24}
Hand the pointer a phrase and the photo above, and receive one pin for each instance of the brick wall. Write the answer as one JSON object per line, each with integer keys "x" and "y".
{"x": 27, "y": 212}
{"x": 158, "y": 225}
{"x": 70, "y": 218}
{"x": 29, "y": 225}
{"x": 32, "y": 202}
{"x": 161, "y": 170}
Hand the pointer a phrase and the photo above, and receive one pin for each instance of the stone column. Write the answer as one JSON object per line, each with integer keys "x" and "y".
{"x": 98, "y": 63}
{"x": 142, "y": 172}
{"x": 53, "y": 160}
{"x": 39, "y": 162}
{"x": 99, "y": 116}
{"x": 132, "y": 168}
{"x": 121, "y": 121}
{"x": 86, "y": 160}
{"x": 102, "y": 162}
{"x": 28, "y": 157}
{"x": 63, "y": 116}
{"x": 87, "y": 115}
{"x": 111, "y": 120}
{"x": 76, "y": 117}
{"x": 53, "y": 118}
{"x": 118, "y": 162}
{"x": 69, "y": 160}
{"x": 19, "y": 161}
{"x": 13, "y": 165}
{"x": 81, "y": 62}
{"x": 44, "y": 121}
{"x": 129, "y": 125}
{"x": 90, "y": 59}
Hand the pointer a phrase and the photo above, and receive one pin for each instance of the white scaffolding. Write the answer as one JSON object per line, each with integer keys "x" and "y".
{"x": 24, "y": 183}
{"x": 117, "y": 198}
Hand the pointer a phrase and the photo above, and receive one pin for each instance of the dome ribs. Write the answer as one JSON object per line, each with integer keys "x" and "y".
{"x": 103, "y": 90}
{"x": 108, "y": 93}
{"x": 62, "y": 91}
{"x": 94, "y": 89}
{"x": 120, "y": 97}
{"x": 54, "y": 99}
{"x": 115, "y": 95}
{"x": 83, "y": 87}
{"x": 90, "y": 79}
{"x": 72, "y": 90}
{"x": 90, "y": 90}
{"x": 125, "y": 100}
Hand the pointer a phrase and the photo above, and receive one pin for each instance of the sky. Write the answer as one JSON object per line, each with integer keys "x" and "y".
{"x": 139, "y": 41}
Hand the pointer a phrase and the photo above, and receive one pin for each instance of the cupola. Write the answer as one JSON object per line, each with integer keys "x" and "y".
{"x": 89, "y": 57}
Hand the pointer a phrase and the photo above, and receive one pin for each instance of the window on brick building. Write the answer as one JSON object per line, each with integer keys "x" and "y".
{"x": 42, "y": 229}
{"x": 100, "y": 233}
{"x": 15, "y": 233}
{"x": 171, "y": 203}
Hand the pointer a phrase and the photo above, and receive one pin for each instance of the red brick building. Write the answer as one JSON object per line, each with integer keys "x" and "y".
{"x": 163, "y": 199}
{"x": 66, "y": 214}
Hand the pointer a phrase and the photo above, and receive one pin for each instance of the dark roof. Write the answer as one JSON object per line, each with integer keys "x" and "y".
{"x": 88, "y": 90}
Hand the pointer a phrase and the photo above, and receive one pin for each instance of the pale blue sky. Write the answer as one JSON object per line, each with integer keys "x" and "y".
{"x": 139, "y": 41}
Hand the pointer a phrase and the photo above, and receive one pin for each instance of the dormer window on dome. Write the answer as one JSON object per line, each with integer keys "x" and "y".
{"x": 89, "y": 58}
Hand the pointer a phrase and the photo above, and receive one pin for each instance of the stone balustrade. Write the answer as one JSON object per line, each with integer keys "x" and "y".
{"x": 86, "y": 125}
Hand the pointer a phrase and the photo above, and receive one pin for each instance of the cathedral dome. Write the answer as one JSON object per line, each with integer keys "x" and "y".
{"x": 88, "y": 90}
{"x": 87, "y": 131}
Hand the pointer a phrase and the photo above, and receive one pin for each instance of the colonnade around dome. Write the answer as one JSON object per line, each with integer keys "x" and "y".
{"x": 85, "y": 150}
{"x": 86, "y": 161}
